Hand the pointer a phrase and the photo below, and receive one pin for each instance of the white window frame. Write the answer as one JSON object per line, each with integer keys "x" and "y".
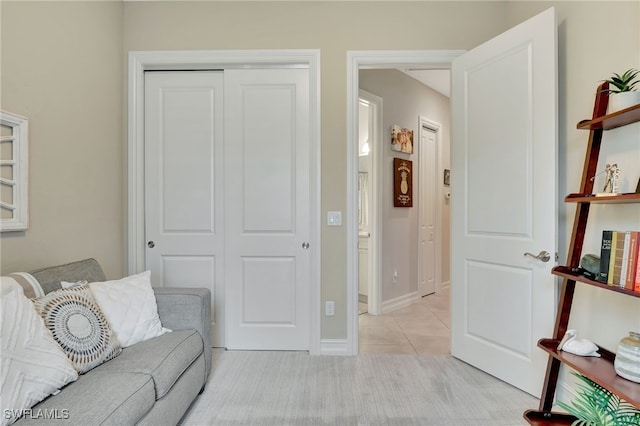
{"x": 19, "y": 164}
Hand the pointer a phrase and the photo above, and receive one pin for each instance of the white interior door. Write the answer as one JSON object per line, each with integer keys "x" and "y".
{"x": 428, "y": 203}
{"x": 267, "y": 169}
{"x": 184, "y": 224}
{"x": 503, "y": 181}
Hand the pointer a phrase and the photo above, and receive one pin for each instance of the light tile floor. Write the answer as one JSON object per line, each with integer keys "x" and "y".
{"x": 422, "y": 328}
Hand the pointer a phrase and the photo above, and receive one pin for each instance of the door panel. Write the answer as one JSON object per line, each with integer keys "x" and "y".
{"x": 428, "y": 205}
{"x": 267, "y": 209}
{"x": 183, "y": 184}
{"x": 503, "y": 182}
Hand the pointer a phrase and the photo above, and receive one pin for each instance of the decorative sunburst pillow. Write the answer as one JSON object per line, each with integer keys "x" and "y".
{"x": 79, "y": 326}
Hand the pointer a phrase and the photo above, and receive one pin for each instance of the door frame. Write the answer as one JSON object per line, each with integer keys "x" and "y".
{"x": 374, "y": 301}
{"x": 371, "y": 59}
{"x": 141, "y": 61}
{"x": 439, "y": 196}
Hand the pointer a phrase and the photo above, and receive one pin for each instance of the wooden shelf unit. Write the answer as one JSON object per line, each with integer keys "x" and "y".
{"x": 600, "y": 370}
{"x": 607, "y": 199}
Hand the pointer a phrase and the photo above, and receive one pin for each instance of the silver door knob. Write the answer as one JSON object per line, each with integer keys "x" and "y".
{"x": 543, "y": 256}
{"x": 305, "y": 245}
{"x": 151, "y": 244}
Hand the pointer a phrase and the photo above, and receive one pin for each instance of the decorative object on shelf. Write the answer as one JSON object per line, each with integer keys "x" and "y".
{"x": 591, "y": 262}
{"x": 581, "y": 347}
{"x": 627, "y": 363}
{"x": 402, "y": 183}
{"x": 622, "y": 90}
{"x": 447, "y": 177}
{"x": 401, "y": 139}
{"x": 611, "y": 179}
{"x": 597, "y": 406}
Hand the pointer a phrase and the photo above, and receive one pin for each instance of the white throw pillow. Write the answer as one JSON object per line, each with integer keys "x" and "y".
{"x": 33, "y": 365}
{"x": 130, "y": 307}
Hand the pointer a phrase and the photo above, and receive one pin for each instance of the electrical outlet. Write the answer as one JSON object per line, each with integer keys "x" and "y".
{"x": 329, "y": 308}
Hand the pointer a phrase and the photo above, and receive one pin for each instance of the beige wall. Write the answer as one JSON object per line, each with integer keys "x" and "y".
{"x": 404, "y": 100}
{"x": 63, "y": 67}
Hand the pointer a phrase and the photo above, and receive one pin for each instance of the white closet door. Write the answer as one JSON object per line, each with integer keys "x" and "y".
{"x": 267, "y": 169}
{"x": 184, "y": 162}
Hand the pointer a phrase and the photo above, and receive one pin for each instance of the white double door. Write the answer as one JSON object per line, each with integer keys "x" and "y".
{"x": 227, "y": 198}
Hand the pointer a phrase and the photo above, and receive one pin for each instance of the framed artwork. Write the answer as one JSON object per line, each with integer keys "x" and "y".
{"x": 402, "y": 183}
{"x": 401, "y": 139}
{"x": 447, "y": 177}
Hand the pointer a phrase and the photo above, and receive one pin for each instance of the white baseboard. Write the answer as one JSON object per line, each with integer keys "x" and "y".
{"x": 400, "y": 302}
{"x": 334, "y": 347}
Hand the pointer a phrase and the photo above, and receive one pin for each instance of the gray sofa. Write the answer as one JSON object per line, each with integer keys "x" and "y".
{"x": 150, "y": 383}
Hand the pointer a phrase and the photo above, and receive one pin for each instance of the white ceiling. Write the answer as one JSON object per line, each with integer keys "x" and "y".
{"x": 438, "y": 80}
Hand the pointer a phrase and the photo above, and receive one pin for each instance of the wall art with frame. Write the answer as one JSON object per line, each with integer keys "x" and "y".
{"x": 402, "y": 183}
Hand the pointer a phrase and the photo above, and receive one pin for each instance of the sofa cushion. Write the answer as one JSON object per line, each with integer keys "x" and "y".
{"x": 33, "y": 365}
{"x": 79, "y": 326}
{"x": 164, "y": 358}
{"x": 50, "y": 278}
{"x": 130, "y": 308}
{"x": 98, "y": 398}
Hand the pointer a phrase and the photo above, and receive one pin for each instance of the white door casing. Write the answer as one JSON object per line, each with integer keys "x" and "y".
{"x": 140, "y": 62}
{"x": 428, "y": 204}
{"x": 267, "y": 161}
{"x": 376, "y": 145}
{"x": 184, "y": 222}
{"x": 503, "y": 181}
{"x": 356, "y": 60}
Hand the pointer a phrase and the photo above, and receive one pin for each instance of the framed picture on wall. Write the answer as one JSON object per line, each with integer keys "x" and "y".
{"x": 402, "y": 183}
{"x": 401, "y": 139}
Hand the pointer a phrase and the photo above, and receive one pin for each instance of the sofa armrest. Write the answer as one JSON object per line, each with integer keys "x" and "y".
{"x": 187, "y": 309}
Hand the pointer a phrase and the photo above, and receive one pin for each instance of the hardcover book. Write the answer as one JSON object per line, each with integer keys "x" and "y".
{"x": 605, "y": 254}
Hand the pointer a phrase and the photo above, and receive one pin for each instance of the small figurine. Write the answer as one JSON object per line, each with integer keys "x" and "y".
{"x": 581, "y": 347}
{"x": 611, "y": 178}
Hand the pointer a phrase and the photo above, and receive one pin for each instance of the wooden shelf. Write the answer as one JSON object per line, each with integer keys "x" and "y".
{"x": 566, "y": 272}
{"x": 611, "y": 121}
{"x": 627, "y": 198}
{"x": 600, "y": 370}
{"x": 539, "y": 418}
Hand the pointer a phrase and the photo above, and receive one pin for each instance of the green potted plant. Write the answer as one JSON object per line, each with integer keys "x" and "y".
{"x": 597, "y": 406}
{"x": 622, "y": 90}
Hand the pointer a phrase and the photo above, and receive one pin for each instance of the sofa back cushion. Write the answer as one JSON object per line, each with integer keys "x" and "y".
{"x": 51, "y": 277}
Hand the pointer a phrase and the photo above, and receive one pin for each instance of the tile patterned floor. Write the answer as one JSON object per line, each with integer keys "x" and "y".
{"x": 422, "y": 328}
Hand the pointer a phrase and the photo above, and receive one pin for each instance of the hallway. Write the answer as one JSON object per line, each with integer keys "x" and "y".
{"x": 422, "y": 328}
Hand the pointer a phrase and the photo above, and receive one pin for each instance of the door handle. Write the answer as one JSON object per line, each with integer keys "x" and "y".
{"x": 305, "y": 245}
{"x": 543, "y": 256}
{"x": 151, "y": 244}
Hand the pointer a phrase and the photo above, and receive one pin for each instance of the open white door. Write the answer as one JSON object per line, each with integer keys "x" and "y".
{"x": 503, "y": 181}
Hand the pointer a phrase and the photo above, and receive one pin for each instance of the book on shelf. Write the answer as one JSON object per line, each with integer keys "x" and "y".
{"x": 632, "y": 261}
{"x": 620, "y": 259}
{"x": 615, "y": 262}
{"x": 605, "y": 255}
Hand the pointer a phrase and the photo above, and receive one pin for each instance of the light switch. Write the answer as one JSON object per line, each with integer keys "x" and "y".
{"x": 334, "y": 218}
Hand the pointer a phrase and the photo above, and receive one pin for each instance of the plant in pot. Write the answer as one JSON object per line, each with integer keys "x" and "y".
{"x": 622, "y": 90}
{"x": 597, "y": 406}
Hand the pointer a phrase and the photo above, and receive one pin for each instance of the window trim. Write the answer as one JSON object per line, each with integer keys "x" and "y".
{"x": 20, "y": 172}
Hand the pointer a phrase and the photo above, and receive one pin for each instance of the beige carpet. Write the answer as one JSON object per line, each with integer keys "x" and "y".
{"x": 294, "y": 388}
